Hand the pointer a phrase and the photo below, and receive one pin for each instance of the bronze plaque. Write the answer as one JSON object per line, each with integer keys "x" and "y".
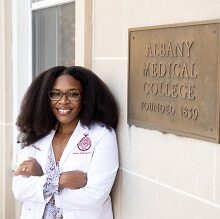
{"x": 173, "y": 81}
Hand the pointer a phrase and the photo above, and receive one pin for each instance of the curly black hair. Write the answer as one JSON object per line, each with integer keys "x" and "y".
{"x": 36, "y": 118}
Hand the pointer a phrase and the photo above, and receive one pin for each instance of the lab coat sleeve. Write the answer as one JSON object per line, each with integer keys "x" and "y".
{"x": 28, "y": 188}
{"x": 101, "y": 176}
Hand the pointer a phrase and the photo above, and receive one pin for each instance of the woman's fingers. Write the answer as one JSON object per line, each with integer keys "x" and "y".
{"x": 29, "y": 168}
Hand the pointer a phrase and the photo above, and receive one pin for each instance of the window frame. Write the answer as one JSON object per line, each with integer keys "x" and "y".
{"x": 48, "y": 3}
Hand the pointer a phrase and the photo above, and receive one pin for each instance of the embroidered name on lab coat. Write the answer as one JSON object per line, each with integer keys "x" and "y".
{"x": 35, "y": 147}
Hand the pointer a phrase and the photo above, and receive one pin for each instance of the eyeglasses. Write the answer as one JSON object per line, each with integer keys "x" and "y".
{"x": 72, "y": 95}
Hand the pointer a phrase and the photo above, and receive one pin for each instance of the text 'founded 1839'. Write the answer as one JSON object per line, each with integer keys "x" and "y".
{"x": 173, "y": 79}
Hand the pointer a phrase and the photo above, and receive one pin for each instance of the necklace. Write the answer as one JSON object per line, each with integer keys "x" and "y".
{"x": 60, "y": 144}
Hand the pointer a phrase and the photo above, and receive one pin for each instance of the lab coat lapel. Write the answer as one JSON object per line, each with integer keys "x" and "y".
{"x": 42, "y": 149}
{"x": 73, "y": 141}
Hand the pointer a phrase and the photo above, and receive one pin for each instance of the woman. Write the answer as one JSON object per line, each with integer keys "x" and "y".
{"x": 69, "y": 158}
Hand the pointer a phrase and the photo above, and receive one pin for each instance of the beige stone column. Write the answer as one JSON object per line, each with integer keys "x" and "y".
{"x": 6, "y": 85}
{"x": 83, "y": 40}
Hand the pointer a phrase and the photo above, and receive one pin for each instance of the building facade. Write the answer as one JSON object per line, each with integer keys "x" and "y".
{"x": 161, "y": 176}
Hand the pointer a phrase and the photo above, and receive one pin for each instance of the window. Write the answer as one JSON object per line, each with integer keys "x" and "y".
{"x": 53, "y": 37}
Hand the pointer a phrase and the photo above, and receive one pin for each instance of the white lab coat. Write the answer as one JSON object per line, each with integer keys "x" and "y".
{"x": 100, "y": 161}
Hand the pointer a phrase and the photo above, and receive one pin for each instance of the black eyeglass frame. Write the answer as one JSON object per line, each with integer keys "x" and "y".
{"x": 64, "y": 93}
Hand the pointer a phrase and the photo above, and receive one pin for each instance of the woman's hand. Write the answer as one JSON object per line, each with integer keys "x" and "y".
{"x": 72, "y": 179}
{"x": 29, "y": 168}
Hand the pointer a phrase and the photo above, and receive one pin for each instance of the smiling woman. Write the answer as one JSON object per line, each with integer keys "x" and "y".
{"x": 69, "y": 156}
{"x": 66, "y": 110}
